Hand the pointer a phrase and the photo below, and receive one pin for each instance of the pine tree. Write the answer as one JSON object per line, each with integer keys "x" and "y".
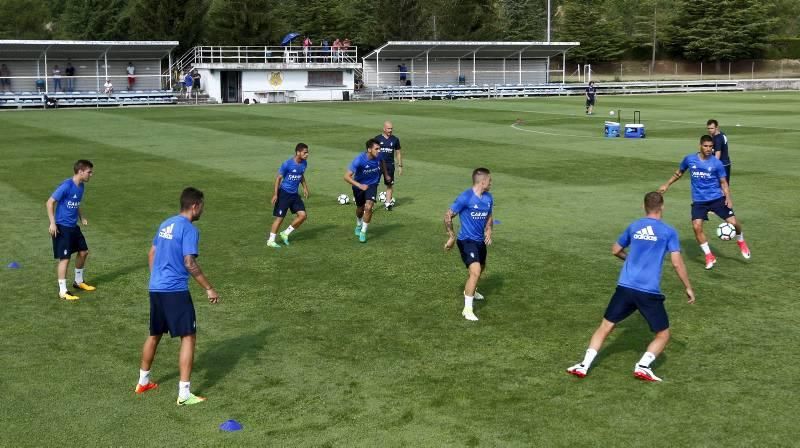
{"x": 93, "y": 20}
{"x": 241, "y": 22}
{"x": 601, "y": 39}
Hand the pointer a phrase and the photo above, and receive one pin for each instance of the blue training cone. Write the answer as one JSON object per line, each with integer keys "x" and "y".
{"x": 230, "y": 426}
{"x": 13, "y": 265}
{"x": 496, "y": 221}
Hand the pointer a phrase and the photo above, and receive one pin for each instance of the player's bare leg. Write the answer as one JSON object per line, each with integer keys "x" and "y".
{"x": 642, "y": 369}
{"x": 389, "y": 196}
{"x": 595, "y": 343}
{"x": 61, "y": 276}
{"x": 367, "y": 218}
{"x": 298, "y": 220}
{"x": 743, "y": 248}
{"x": 700, "y": 236}
{"x": 185, "y": 362}
{"x": 273, "y": 231}
{"x": 148, "y": 355}
{"x": 474, "y": 274}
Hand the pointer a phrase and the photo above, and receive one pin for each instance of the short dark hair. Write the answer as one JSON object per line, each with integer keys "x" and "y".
{"x": 479, "y": 172}
{"x": 81, "y": 165}
{"x": 653, "y": 201}
{"x": 706, "y": 138}
{"x": 591, "y": 83}
{"x": 370, "y": 143}
{"x": 300, "y": 147}
{"x": 189, "y": 197}
{"x": 712, "y": 121}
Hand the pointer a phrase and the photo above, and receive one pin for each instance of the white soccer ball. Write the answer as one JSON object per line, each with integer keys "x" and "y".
{"x": 726, "y": 231}
{"x": 382, "y": 196}
{"x": 343, "y": 199}
{"x": 611, "y": 113}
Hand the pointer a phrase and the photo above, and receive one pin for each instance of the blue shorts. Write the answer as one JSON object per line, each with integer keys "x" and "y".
{"x": 173, "y": 312}
{"x": 367, "y": 195}
{"x": 68, "y": 241}
{"x": 472, "y": 252}
{"x": 390, "y": 172}
{"x": 287, "y": 201}
{"x": 651, "y": 306}
{"x": 700, "y": 209}
{"x": 590, "y": 101}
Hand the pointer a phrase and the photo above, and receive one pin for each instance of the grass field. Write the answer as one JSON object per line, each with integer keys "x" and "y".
{"x": 334, "y": 343}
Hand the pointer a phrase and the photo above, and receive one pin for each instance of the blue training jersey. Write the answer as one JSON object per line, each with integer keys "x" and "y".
{"x": 366, "y": 171}
{"x": 292, "y": 173}
{"x": 647, "y": 240}
{"x": 388, "y": 147}
{"x": 176, "y": 238}
{"x": 472, "y": 211}
{"x": 705, "y": 177}
{"x": 721, "y": 145}
{"x": 68, "y": 199}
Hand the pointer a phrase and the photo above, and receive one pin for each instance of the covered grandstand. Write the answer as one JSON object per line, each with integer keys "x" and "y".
{"x": 463, "y": 67}
{"x": 30, "y": 72}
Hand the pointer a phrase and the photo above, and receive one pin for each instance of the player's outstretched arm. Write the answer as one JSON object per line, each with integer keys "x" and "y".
{"x": 618, "y": 251}
{"x": 348, "y": 177}
{"x": 151, "y": 256}
{"x": 674, "y": 178}
{"x": 487, "y": 231}
{"x": 680, "y": 269}
{"x": 278, "y": 180}
{"x": 399, "y": 155}
{"x": 190, "y": 262}
{"x": 448, "y": 226}
{"x": 83, "y": 220}
{"x": 305, "y": 186}
{"x": 726, "y": 190}
{"x": 51, "y": 215}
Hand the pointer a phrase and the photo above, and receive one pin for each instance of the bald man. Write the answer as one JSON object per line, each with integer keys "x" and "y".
{"x": 390, "y": 149}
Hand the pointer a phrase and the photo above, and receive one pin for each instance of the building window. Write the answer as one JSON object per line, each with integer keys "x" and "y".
{"x": 326, "y": 79}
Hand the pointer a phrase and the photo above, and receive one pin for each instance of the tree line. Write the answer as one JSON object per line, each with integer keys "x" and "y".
{"x": 609, "y": 30}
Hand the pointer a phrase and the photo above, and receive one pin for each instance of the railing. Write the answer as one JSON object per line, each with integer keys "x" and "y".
{"x": 266, "y": 55}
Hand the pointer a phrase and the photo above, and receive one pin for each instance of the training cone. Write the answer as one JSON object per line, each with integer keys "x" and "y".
{"x": 13, "y": 265}
{"x": 496, "y": 221}
{"x": 230, "y": 426}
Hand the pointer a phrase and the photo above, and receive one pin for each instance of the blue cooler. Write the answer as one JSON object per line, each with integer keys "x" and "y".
{"x": 611, "y": 129}
{"x": 634, "y": 130}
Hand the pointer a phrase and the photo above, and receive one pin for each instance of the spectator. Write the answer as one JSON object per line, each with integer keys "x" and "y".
{"x": 306, "y": 45}
{"x": 108, "y": 88}
{"x": 5, "y": 78}
{"x": 345, "y": 47}
{"x": 40, "y": 85}
{"x": 337, "y": 50}
{"x": 69, "y": 71}
{"x": 403, "y": 73}
{"x": 131, "y": 75}
{"x": 196, "y": 82}
{"x": 326, "y": 49}
{"x": 187, "y": 83}
{"x": 56, "y": 79}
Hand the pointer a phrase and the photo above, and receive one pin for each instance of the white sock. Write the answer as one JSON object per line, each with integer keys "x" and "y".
{"x": 364, "y": 226}
{"x": 62, "y": 286}
{"x": 706, "y": 248}
{"x": 359, "y": 221}
{"x": 78, "y": 276}
{"x": 468, "y": 301}
{"x": 183, "y": 390}
{"x": 740, "y": 237}
{"x": 647, "y": 358}
{"x": 588, "y": 358}
{"x": 289, "y": 230}
{"x": 144, "y": 377}
{"x": 271, "y": 237}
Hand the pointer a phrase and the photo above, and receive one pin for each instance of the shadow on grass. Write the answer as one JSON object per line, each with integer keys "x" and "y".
{"x": 121, "y": 272}
{"x": 311, "y": 232}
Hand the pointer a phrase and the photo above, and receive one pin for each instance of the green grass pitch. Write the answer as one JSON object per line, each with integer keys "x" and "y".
{"x": 334, "y": 343}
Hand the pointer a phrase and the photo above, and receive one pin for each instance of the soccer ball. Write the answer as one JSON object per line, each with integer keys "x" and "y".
{"x": 726, "y": 231}
{"x": 611, "y": 113}
{"x": 343, "y": 199}
{"x": 382, "y": 196}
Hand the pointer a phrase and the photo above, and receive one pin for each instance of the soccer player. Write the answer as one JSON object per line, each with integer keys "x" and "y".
{"x": 172, "y": 258}
{"x": 720, "y": 147}
{"x": 64, "y": 212}
{"x": 648, "y": 239}
{"x": 364, "y": 174}
{"x": 390, "y": 147}
{"x": 285, "y": 196}
{"x": 591, "y": 93}
{"x": 710, "y": 193}
{"x": 474, "y": 210}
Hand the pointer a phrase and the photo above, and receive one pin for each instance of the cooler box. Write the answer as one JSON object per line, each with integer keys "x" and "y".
{"x": 611, "y": 129}
{"x": 634, "y": 130}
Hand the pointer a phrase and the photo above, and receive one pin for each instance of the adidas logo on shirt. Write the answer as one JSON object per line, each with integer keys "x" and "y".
{"x": 166, "y": 232}
{"x": 645, "y": 234}
{"x": 74, "y": 196}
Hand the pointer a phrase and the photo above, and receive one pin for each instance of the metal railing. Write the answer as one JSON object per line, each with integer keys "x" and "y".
{"x": 265, "y": 55}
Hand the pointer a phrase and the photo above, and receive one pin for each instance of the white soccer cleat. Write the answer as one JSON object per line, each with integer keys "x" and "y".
{"x": 578, "y": 370}
{"x": 476, "y": 295}
{"x": 645, "y": 373}
{"x": 468, "y": 314}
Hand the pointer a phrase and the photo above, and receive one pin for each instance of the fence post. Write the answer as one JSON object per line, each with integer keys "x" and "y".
{"x": 701, "y": 70}
{"x": 753, "y": 70}
{"x": 620, "y": 71}
{"x": 781, "y": 70}
{"x": 729, "y": 70}
{"x": 676, "y": 69}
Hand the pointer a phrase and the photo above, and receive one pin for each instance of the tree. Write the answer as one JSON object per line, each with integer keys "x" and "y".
{"x": 93, "y": 20}
{"x": 466, "y": 19}
{"x": 25, "y": 19}
{"x": 600, "y": 38}
{"x": 523, "y": 20}
{"x": 241, "y": 22}
{"x": 180, "y": 20}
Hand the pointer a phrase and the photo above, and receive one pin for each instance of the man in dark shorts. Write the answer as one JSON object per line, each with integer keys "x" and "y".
{"x": 364, "y": 174}
{"x": 390, "y": 150}
{"x": 286, "y": 198}
{"x": 474, "y": 210}
{"x": 591, "y": 93}
{"x": 64, "y": 212}
{"x": 196, "y": 82}
{"x": 720, "y": 147}
{"x": 648, "y": 239}
{"x": 710, "y": 193}
{"x": 172, "y": 259}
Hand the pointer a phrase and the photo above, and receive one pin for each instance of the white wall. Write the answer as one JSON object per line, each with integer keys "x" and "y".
{"x": 446, "y": 71}
{"x": 294, "y": 81}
